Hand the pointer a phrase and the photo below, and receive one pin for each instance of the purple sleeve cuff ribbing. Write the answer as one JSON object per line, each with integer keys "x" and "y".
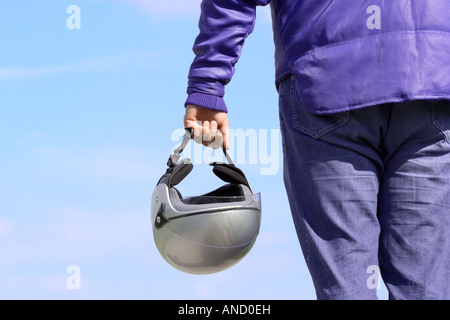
{"x": 206, "y": 101}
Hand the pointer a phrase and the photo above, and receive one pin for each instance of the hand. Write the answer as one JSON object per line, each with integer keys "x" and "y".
{"x": 211, "y": 127}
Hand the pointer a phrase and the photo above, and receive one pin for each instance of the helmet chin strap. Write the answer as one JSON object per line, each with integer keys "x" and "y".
{"x": 173, "y": 158}
{"x": 188, "y": 135}
{"x": 230, "y": 162}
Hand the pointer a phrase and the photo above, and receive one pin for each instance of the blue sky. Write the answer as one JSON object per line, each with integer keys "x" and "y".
{"x": 88, "y": 118}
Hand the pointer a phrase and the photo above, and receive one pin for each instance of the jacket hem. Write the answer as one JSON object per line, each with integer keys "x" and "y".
{"x": 206, "y": 101}
{"x": 388, "y": 68}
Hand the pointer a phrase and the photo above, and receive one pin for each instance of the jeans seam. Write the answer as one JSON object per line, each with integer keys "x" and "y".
{"x": 434, "y": 120}
{"x": 292, "y": 98}
{"x": 388, "y": 123}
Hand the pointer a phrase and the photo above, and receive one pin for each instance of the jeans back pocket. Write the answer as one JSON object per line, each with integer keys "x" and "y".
{"x": 311, "y": 124}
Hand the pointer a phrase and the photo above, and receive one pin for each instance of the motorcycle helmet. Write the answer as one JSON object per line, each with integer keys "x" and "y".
{"x": 208, "y": 233}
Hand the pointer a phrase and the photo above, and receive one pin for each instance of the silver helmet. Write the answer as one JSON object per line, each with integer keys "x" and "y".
{"x": 207, "y": 233}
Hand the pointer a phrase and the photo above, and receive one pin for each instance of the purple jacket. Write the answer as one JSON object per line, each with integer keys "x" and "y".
{"x": 345, "y": 54}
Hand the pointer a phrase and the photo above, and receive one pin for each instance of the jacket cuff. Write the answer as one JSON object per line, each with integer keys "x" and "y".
{"x": 206, "y": 101}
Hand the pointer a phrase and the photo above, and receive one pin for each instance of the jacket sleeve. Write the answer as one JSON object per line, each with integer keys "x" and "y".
{"x": 224, "y": 25}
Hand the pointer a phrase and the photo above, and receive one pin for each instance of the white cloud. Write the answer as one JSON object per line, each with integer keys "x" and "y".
{"x": 182, "y": 8}
{"x": 33, "y": 72}
{"x": 9, "y": 73}
{"x": 5, "y": 227}
{"x": 76, "y": 236}
{"x": 52, "y": 283}
{"x": 120, "y": 162}
{"x": 164, "y": 8}
{"x": 114, "y": 61}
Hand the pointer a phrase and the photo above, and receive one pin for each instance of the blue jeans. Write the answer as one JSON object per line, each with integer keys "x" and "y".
{"x": 369, "y": 190}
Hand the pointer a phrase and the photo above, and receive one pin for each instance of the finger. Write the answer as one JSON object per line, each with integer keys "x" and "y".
{"x": 211, "y": 137}
{"x": 198, "y": 128}
{"x": 207, "y": 136}
{"x": 213, "y": 128}
{"x": 217, "y": 142}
